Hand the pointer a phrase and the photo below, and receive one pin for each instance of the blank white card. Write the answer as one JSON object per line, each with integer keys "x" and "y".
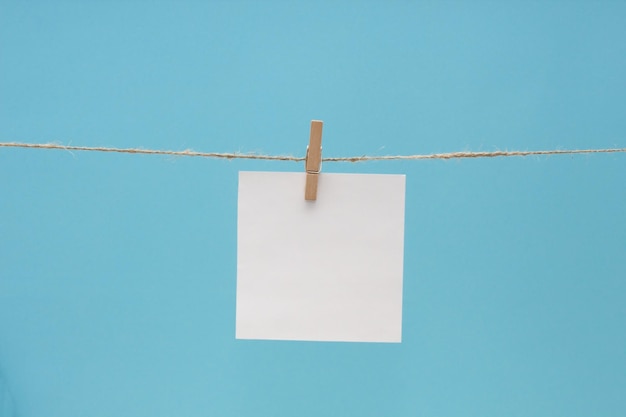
{"x": 324, "y": 270}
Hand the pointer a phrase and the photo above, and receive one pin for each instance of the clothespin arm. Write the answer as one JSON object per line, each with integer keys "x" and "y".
{"x": 313, "y": 160}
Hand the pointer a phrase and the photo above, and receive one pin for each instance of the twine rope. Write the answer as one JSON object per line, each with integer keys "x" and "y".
{"x": 364, "y": 158}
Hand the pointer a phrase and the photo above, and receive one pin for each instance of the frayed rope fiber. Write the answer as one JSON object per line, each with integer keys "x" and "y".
{"x": 364, "y": 158}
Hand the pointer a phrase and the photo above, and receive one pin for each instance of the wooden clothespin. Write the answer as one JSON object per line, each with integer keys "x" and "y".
{"x": 313, "y": 161}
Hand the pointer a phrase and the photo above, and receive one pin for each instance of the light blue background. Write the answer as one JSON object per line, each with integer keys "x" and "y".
{"x": 118, "y": 272}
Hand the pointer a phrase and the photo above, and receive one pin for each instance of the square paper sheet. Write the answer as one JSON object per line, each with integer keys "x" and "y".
{"x": 324, "y": 270}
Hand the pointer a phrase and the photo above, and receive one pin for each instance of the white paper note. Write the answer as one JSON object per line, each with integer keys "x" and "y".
{"x": 324, "y": 270}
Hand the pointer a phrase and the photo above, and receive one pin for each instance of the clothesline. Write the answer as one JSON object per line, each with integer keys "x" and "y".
{"x": 364, "y": 158}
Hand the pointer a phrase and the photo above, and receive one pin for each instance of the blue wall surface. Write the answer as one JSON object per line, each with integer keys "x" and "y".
{"x": 118, "y": 272}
